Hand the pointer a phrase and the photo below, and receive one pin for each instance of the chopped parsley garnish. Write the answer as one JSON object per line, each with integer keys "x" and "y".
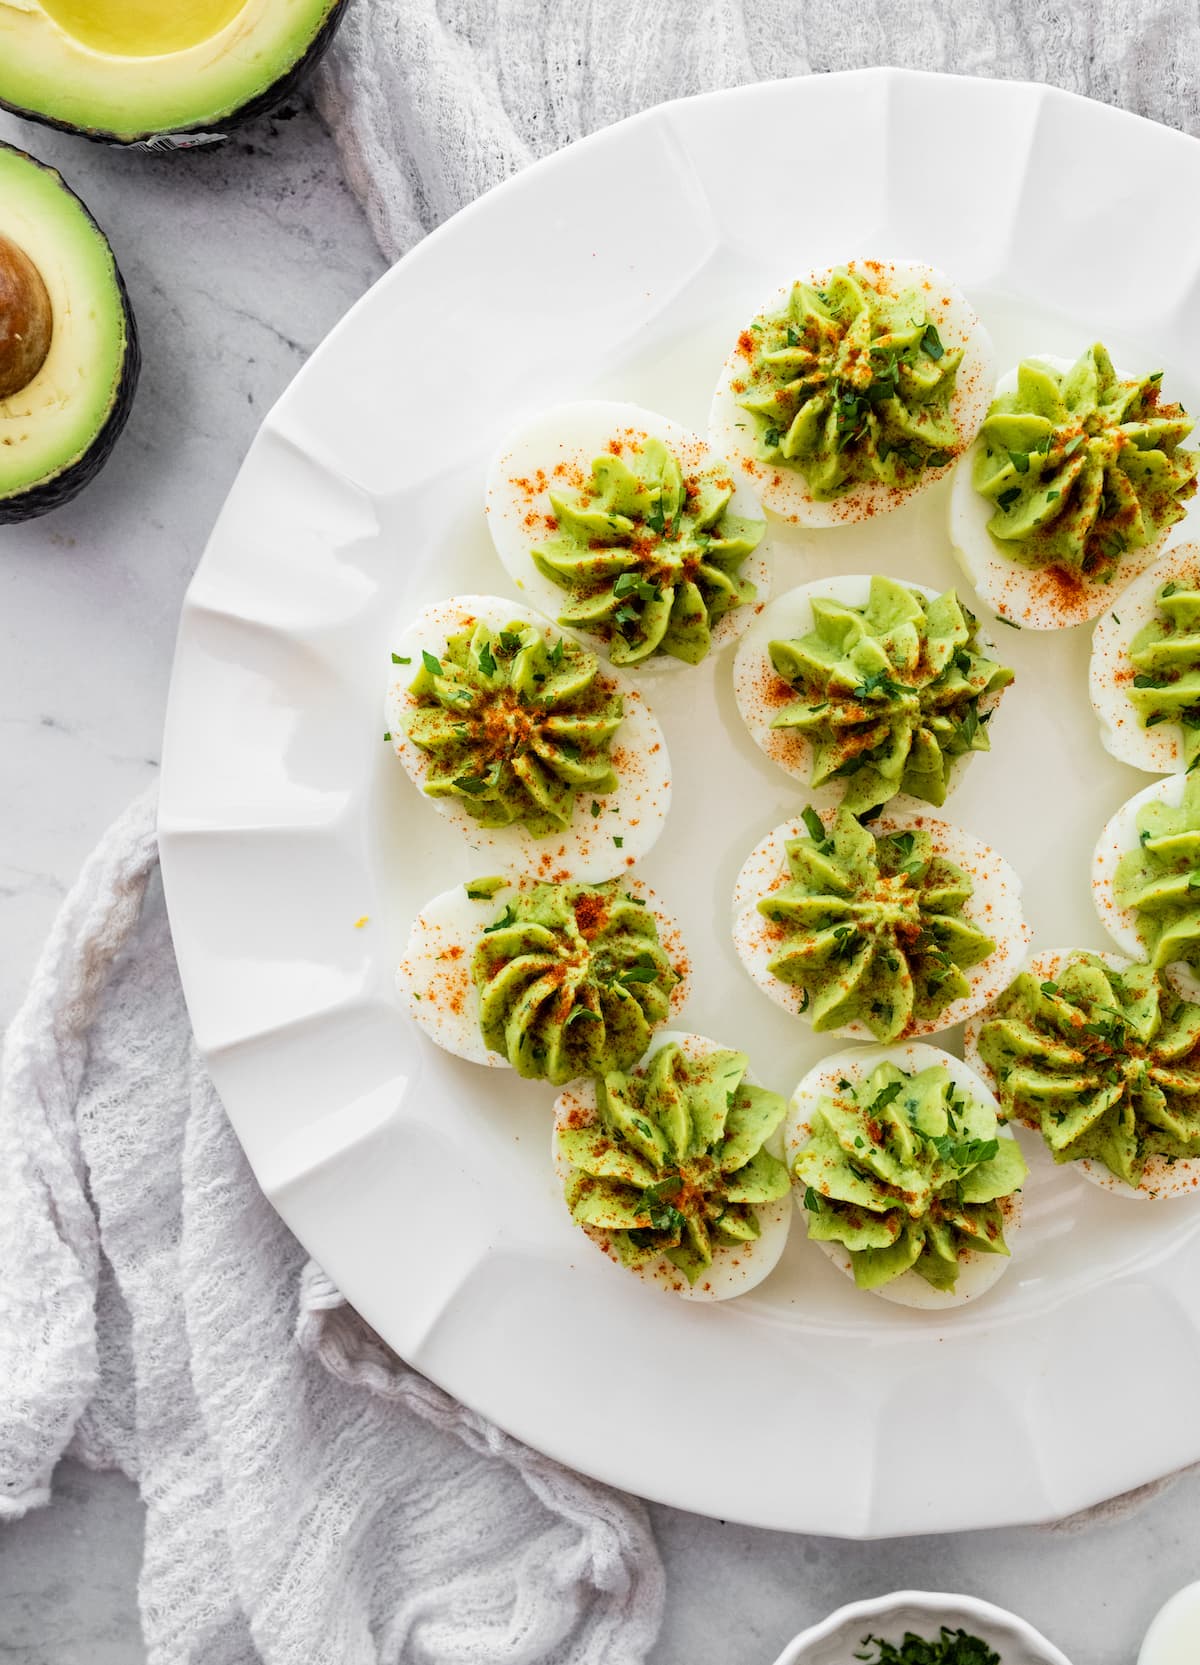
{"x": 399, "y": 659}
{"x": 555, "y": 655}
{"x": 846, "y": 1086}
{"x": 1168, "y": 589}
{"x": 964, "y": 1153}
{"x": 643, "y": 970}
{"x": 476, "y": 785}
{"x": 431, "y": 663}
{"x": 595, "y": 807}
{"x": 487, "y": 660}
{"x": 507, "y": 918}
{"x": 812, "y": 1200}
{"x": 630, "y": 584}
{"x": 949, "y": 1647}
{"x": 1049, "y": 988}
{"x": 1007, "y": 498}
{"x": 814, "y": 824}
{"x": 618, "y": 841}
{"x": 885, "y": 1096}
{"x": 1020, "y": 461}
{"x": 931, "y": 342}
{"x": 387, "y": 734}
{"x": 1011, "y": 623}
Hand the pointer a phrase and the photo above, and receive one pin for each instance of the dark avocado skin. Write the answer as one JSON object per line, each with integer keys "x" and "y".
{"x": 61, "y": 487}
{"x": 260, "y": 105}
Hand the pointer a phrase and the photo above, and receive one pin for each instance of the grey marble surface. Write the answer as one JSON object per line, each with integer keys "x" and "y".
{"x": 238, "y": 262}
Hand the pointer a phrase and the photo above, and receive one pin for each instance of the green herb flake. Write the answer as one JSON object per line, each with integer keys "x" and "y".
{"x": 507, "y": 918}
{"x": 618, "y": 841}
{"x": 487, "y": 660}
{"x": 812, "y": 1200}
{"x": 400, "y": 659}
{"x": 431, "y": 662}
{"x": 555, "y": 655}
{"x": 387, "y": 734}
{"x": 814, "y": 824}
{"x": 931, "y": 342}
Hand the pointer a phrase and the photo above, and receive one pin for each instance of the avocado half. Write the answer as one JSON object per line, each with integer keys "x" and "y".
{"x": 69, "y": 356}
{"x": 162, "y": 74}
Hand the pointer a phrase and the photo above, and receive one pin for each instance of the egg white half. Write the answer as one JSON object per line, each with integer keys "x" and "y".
{"x": 557, "y": 449}
{"x": 433, "y": 978}
{"x": 735, "y": 1268}
{"x": 761, "y": 693}
{"x": 977, "y": 1272}
{"x": 1119, "y": 837}
{"x": 1032, "y": 597}
{"x": 635, "y": 812}
{"x": 1161, "y": 1179}
{"x": 733, "y": 431}
{"x": 1158, "y": 750}
{"x": 994, "y": 907}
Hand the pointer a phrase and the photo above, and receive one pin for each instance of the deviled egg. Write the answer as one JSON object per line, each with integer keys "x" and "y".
{"x": 898, "y": 929}
{"x": 550, "y": 762}
{"x": 851, "y": 389}
{"x": 622, "y": 524}
{"x": 1101, "y": 1056}
{"x": 1144, "y": 678}
{"x": 865, "y": 687}
{"x": 1070, "y": 490}
{"x": 1146, "y": 879}
{"x": 904, "y": 1174}
{"x": 673, "y": 1168}
{"x": 554, "y": 980}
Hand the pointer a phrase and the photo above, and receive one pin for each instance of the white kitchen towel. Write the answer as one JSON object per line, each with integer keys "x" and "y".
{"x": 309, "y": 1498}
{"x": 433, "y": 101}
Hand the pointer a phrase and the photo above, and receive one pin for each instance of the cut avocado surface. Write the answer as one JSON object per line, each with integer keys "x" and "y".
{"x": 68, "y": 345}
{"x": 137, "y": 70}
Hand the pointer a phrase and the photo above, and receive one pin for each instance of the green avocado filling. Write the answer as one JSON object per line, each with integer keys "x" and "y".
{"x": 849, "y": 384}
{"x": 1166, "y": 666}
{"x": 572, "y": 981}
{"x": 1107, "y": 1065}
{"x": 890, "y": 693}
{"x": 1082, "y": 466}
{"x": 515, "y": 728}
{"x": 652, "y": 560}
{"x": 673, "y": 1164}
{"x": 907, "y": 1174}
{"x": 872, "y": 927}
{"x": 1160, "y": 880}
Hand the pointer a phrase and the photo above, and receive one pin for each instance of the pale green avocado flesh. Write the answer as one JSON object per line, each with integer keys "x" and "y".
{"x": 134, "y": 71}
{"x": 57, "y": 428}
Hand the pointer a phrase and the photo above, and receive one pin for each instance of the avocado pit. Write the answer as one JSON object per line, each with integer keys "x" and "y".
{"x": 26, "y": 319}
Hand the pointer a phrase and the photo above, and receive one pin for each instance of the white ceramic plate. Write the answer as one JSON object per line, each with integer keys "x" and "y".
{"x": 420, "y": 1182}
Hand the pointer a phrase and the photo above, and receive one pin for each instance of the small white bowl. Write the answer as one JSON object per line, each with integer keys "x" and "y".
{"x": 838, "y": 1638}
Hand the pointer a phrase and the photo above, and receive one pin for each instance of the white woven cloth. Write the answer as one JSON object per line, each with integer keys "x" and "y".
{"x": 309, "y": 1498}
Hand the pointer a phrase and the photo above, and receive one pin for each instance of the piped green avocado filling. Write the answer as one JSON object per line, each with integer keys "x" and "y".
{"x": 907, "y": 1173}
{"x": 1082, "y": 466}
{"x": 652, "y": 560}
{"x": 572, "y": 981}
{"x": 673, "y": 1164}
{"x": 1106, "y": 1064}
{"x": 515, "y": 728}
{"x": 1160, "y": 880}
{"x": 848, "y": 384}
{"x": 872, "y": 927}
{"x": 1166, "y": 666}
{"x": 890, "y": 693}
